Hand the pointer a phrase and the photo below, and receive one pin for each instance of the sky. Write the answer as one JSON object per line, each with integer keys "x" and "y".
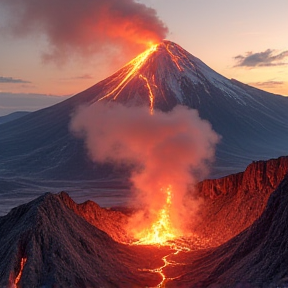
{"x": 54, "y": 49}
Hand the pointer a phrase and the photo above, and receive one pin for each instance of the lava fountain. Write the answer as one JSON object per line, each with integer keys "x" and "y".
{"x": 162, "y": 229}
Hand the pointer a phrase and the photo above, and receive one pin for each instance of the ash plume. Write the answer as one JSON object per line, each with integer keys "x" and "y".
{"x": 171, "y": 148}
{"x": 74, "y": 27}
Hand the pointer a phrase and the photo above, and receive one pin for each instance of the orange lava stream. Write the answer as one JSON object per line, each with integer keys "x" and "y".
{"x": 17, "y": 279}
{"x": 173, "y": 58}
{"x": 162, "y": 233}
{"x": 136, "y": 64}
{"x": 151, "y": 95}
{"x": 176, "y": 250}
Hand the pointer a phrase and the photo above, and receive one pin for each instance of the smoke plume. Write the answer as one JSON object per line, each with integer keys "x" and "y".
{"x": 171, "y": 148}
{"x": 85, "y": 27}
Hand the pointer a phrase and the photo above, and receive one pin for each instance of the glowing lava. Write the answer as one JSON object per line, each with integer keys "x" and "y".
{"x": 161, "y": 230}
{"x": 17, "y": 279}
{"x": 133, "y": 70}
{"x": 135, "y": 65}
{"x": 163, "y": 233}
{"x": 151, "y": 95}
{"x": 173, "y": 58}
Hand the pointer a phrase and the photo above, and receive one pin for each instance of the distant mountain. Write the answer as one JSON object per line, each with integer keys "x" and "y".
{"x": 257, "y": 257}
{"x": 12, "y": 116}
{"x": 253, "y": 123}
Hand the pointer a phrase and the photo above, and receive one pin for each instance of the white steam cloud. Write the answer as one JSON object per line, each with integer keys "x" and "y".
{"x": 166, "y": 148}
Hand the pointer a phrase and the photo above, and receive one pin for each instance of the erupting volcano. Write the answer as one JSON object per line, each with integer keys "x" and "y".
{"x": 156, "y": 127}
{"x": 252, "y": 122}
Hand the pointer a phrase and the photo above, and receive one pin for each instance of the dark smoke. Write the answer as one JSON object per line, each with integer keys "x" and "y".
{"x": 85, "y": 27}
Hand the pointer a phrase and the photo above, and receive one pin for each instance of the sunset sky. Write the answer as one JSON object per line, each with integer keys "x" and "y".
{"x": 63, "y": 50}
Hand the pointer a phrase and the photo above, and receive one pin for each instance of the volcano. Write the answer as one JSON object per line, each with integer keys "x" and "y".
{"x": 252, "y": 123}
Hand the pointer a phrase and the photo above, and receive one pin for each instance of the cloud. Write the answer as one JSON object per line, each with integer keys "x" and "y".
{"x": 166, "y": 150}
{"x": 267, "y": 84}
{"x": 12, "y": 80}
{"x": 261, "y": 59}
{"x": 86, "y": 27}
{"x": 83, "y": 77}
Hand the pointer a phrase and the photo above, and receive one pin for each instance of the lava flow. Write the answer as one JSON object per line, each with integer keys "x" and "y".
{"x": 134, "y": 70}
{"x": 22, "y": 263}
{"x": 174, "y": 58}
{"x": 162, "y": 233}
{"x": 135, "y": 65}
{"x": 151, "y": 95}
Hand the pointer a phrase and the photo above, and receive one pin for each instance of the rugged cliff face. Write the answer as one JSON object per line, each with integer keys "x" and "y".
{"x": 257, "y": 257}
{"x": 44, "y": 243}
{"x": 110, "y": 221}
{"x": 233, "y": 203}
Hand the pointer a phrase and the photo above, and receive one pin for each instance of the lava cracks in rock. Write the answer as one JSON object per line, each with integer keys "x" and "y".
{"x": 54, "y": 241}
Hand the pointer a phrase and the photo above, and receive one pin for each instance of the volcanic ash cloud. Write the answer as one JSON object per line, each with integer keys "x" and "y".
{"x": 167, "y": 150}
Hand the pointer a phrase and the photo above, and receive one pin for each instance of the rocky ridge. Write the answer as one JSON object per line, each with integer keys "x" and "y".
{"x": 234, "y": 202}
{"x": 257, "y": 257}
{"x": 63, "y": 249}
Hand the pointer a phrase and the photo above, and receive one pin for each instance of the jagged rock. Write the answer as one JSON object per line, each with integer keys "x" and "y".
{"x": 110, "y": 221}
{"x": 233, "y": 203}
{"x": 258, "y": 257}
{"x": 64, "y": 250}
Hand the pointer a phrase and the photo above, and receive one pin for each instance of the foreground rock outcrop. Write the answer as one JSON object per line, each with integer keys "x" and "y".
{"x": 258, "y": 257}
{"x": 63, "y": 249}
{"x": 234, "y": 202}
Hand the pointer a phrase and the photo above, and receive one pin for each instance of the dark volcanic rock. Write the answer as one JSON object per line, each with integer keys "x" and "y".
{"x": 258, "y": 257}
{"x": 234, "y": 202}
{"x": 107, "y": 220}
{"x": 64, "y": 250}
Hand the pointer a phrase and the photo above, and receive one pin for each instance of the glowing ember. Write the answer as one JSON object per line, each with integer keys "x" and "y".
{"x": 135, "y": 65}
{"x": 17, "y": 279}
{"x": 161, "y": 230}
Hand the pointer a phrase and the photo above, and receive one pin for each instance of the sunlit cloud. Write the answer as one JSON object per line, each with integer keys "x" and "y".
{"x": 267, "y": 84}
{"x": 12, "y": 80}
{"x": 261, "y": 59}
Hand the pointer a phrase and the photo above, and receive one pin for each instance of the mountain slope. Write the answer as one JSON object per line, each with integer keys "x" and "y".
{"x": 61, "y": 248}
{"x": 253, "y": 123}
{"x": 12, "y": 116}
